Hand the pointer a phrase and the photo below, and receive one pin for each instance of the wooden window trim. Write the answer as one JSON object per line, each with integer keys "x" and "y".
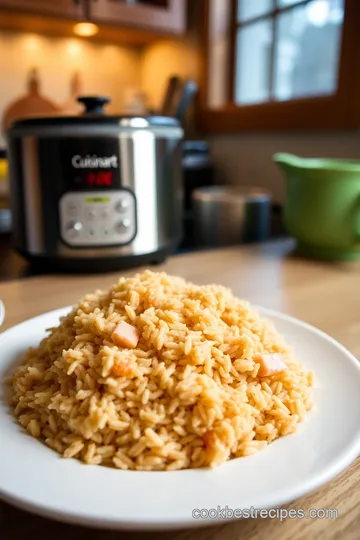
{"x": 340, "y": 111}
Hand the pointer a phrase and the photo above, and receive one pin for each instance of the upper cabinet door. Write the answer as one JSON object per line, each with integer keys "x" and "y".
{"x": 163, "y": 15}
{"x": 73, "y": 9}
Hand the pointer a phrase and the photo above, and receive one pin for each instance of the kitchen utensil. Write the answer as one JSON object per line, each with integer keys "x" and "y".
{"x": 71, "y": 105}
{"x": 186, "y": 95}
{"x": 322, "y": 205}
{"x": 32, "y": 104}
{"x": 173, "y": 88}
{"x": 96, "y": 192}
{"x": 226, "y": 215}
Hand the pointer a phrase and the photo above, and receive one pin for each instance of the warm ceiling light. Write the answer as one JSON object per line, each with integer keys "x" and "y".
{"x": 85, "y": 29}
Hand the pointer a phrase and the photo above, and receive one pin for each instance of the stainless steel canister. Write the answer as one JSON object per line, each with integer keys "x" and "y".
{"x": 228, "y": 215}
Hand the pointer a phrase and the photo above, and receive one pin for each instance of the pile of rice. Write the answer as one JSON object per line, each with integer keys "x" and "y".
{"x": 187, "y": 396}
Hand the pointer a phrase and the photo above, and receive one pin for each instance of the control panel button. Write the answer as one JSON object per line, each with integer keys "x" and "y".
{"x": 122, "y": 206}
{"x": 90, "y": 214}
{"x": 74, "y": 228}
{"x": 123, "y": 226}
{"x": 72, "y": 210}
{"x": 105, "y": 213}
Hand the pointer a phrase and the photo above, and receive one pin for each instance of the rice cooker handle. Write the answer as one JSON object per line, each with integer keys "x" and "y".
{"x": 93, "y": 104}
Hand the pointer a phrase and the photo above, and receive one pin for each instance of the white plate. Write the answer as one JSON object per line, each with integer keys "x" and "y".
{"x": 35, "y": 478}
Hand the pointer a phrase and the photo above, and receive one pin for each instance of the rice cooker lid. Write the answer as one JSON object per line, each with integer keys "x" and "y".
{"x": 94, "y": 114}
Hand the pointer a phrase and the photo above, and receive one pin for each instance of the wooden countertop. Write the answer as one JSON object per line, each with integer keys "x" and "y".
{"x": 323, "y": 294}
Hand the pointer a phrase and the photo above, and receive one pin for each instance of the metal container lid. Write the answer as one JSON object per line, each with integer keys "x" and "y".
{"x": 94, "y": 114}
{"x": 231, "y": 194}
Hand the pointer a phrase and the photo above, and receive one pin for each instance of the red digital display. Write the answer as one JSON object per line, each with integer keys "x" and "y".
{"x": 99, "y": 179}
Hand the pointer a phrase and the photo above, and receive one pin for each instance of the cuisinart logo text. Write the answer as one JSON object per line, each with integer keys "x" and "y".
{"x": 94, "y": 162}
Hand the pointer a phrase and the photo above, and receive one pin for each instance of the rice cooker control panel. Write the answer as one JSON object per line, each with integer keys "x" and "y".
{"x": 101, "y": 218}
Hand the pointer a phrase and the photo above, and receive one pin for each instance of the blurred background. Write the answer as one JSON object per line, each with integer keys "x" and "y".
{"x": 268, "y": 76}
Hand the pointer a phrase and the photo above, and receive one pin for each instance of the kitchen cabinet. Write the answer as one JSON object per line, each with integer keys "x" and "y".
{"x": 65, "y": 8}
{"x": 130, "y": 22}
{"x": 162, "y": 15}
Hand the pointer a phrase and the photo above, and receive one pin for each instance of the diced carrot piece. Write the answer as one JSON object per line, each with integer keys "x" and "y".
{"x": 125, "y": 335}
{"x": 270, "y": 364}
{"x": 211, "y": 441}
{"x": 121, "y": 369}
{"x": 208, "y": 439}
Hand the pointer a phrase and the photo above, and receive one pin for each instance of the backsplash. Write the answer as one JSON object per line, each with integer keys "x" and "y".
{"x": 104, "y": 69}
{"x": 165, "y": 58}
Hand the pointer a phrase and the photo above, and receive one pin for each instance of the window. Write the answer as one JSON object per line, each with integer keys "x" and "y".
{"x": 281, "y": 64}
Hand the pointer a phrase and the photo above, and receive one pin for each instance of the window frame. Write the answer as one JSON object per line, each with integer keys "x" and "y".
{"x": 339, "y": 111}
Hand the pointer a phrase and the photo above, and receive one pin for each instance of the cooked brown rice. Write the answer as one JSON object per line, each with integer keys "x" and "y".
{"x": 187, "y": 396}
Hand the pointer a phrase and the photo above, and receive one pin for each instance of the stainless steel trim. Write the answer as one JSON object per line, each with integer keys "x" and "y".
{"x": 144, "y": 161}
{"x": 93, "y": 131}
{"x": 135, "y": 122}
{"x": 230, "y": 194}
{"x": 99, "y": 253}
{"x": 142, "y": 122}
{"x": 32, "y": 197}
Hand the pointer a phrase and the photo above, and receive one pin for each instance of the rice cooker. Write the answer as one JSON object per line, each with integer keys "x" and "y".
{"x": 96, "y": 192}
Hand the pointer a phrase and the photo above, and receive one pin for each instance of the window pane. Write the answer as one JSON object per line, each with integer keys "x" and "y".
{"x": 253, "y": 60}
{"x": 308, "y": 49}
{"x": 249, "y": 9}
{"x": 284, "y": 3}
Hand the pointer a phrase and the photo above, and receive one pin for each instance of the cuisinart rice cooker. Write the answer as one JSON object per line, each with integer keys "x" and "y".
{"x": 96, "y": 192}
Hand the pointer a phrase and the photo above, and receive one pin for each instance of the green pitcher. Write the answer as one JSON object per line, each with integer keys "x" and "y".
{"x": 322, "y": 206}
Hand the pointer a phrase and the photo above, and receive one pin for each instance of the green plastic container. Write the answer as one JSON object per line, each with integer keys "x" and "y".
{"x": 322, "y": 206}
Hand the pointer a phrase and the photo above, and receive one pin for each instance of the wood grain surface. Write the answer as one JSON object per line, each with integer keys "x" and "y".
{"x": 323, "y": 294}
